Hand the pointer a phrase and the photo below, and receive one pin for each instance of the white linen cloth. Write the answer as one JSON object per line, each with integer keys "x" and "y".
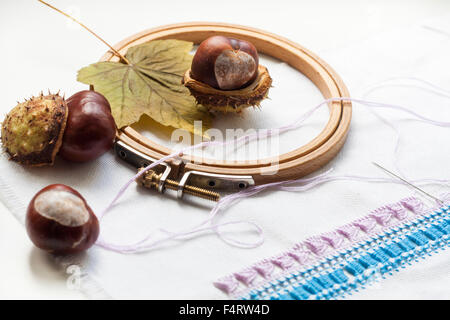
{"x": 187, "y": 269}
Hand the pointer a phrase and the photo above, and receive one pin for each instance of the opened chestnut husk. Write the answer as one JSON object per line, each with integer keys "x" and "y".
{"x": 233, "y": 100}
{"x": 32, "y": 131}
{"x": 80, "y": 129}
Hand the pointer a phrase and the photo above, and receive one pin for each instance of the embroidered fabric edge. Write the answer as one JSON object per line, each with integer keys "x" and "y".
{"x": 336, "y": 263}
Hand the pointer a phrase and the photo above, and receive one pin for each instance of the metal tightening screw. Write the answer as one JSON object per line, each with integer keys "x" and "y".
{"x": 151, "y": 179}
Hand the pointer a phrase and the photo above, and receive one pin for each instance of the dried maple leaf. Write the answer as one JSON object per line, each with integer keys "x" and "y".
{"x": 150, "y": 84}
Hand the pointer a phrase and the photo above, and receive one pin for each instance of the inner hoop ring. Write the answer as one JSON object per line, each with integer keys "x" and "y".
{"x": 292, "y": 165}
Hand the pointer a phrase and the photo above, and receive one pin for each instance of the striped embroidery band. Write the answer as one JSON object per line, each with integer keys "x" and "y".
{"x": 335, "y": 264}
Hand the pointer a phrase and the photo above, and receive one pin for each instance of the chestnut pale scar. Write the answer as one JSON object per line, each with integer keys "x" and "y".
{"x": 234, "y": 68}
{"x": 63, "y": 207}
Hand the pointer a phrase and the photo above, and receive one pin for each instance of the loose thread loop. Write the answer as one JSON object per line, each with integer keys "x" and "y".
{"x": 431, "y": 88}
{"x": 306, "y": 183}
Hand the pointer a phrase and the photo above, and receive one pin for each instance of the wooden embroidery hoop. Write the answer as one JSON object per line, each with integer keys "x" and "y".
{"x": 235, "y": 175}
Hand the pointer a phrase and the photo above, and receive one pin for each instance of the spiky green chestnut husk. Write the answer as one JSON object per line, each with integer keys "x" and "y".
{"x": 32, "y": 131}
{"x": 232, "y": 100}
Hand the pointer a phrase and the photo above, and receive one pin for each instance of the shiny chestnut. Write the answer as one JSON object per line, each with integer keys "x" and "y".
{"x": 90, "y": 128}
{"x": 60, "y": 221}
{"x": 225, "y": 63}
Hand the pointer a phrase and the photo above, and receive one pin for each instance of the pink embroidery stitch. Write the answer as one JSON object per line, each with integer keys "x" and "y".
{"x": 349, "y": 231}
{"x": 246, "y": 276}
{"x": 300, "y": 254}
{"x": 382, "y": 216}
{"x": 283, "y": 261}
{"x": 317, "y": 245}
{"x": 334, "y": 239}
{"x": 413, "y": 204}
{"x": 398, "y": 211}
{"x": 366, "y": 224}
{"x": 264, "y": 268}
{"x": 227, "y": 284}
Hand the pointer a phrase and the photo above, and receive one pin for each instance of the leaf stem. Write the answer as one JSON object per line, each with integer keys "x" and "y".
{"x": 92, "y": 32}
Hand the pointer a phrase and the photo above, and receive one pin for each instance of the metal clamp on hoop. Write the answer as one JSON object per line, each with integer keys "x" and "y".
{"x": 140, "y": 160}
{"x": 195, "y": 183}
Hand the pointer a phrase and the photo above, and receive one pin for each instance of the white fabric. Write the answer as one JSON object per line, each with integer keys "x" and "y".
{"x": 187, "y": 269}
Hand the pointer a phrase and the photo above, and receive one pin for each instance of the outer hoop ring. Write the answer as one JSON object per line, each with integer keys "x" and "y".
{"x": 291, "y": 165}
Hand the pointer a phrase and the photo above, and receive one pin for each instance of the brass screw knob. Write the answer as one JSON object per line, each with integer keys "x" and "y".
{"x": 151, "y": 179}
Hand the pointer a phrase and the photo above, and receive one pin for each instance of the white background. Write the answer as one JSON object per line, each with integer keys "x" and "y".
{"x": 58, "y": 49}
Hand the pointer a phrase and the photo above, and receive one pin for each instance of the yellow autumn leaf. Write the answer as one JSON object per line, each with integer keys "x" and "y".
{"x": 150, "y": 84}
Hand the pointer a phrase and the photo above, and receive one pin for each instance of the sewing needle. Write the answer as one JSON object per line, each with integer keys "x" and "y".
{"x": 408, "y": 183}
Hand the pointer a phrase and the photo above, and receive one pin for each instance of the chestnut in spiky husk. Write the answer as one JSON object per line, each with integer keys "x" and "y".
{"x": 60, "y": 221}
{"x": 80, "y": 129}
{"x": 226, "y": 76}
{"x": 32, "y": 131}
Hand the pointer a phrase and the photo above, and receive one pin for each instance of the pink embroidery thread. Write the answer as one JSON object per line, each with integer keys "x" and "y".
{"x": 147, "y": 243}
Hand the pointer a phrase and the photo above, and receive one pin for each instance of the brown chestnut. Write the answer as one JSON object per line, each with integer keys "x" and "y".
{"x": 225, "y": 63}
{"x": 60, "y": 221}
{"x": 90, "y": 128}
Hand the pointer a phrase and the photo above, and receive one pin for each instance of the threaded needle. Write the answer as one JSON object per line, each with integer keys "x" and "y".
{"x": 408, "y": 183}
